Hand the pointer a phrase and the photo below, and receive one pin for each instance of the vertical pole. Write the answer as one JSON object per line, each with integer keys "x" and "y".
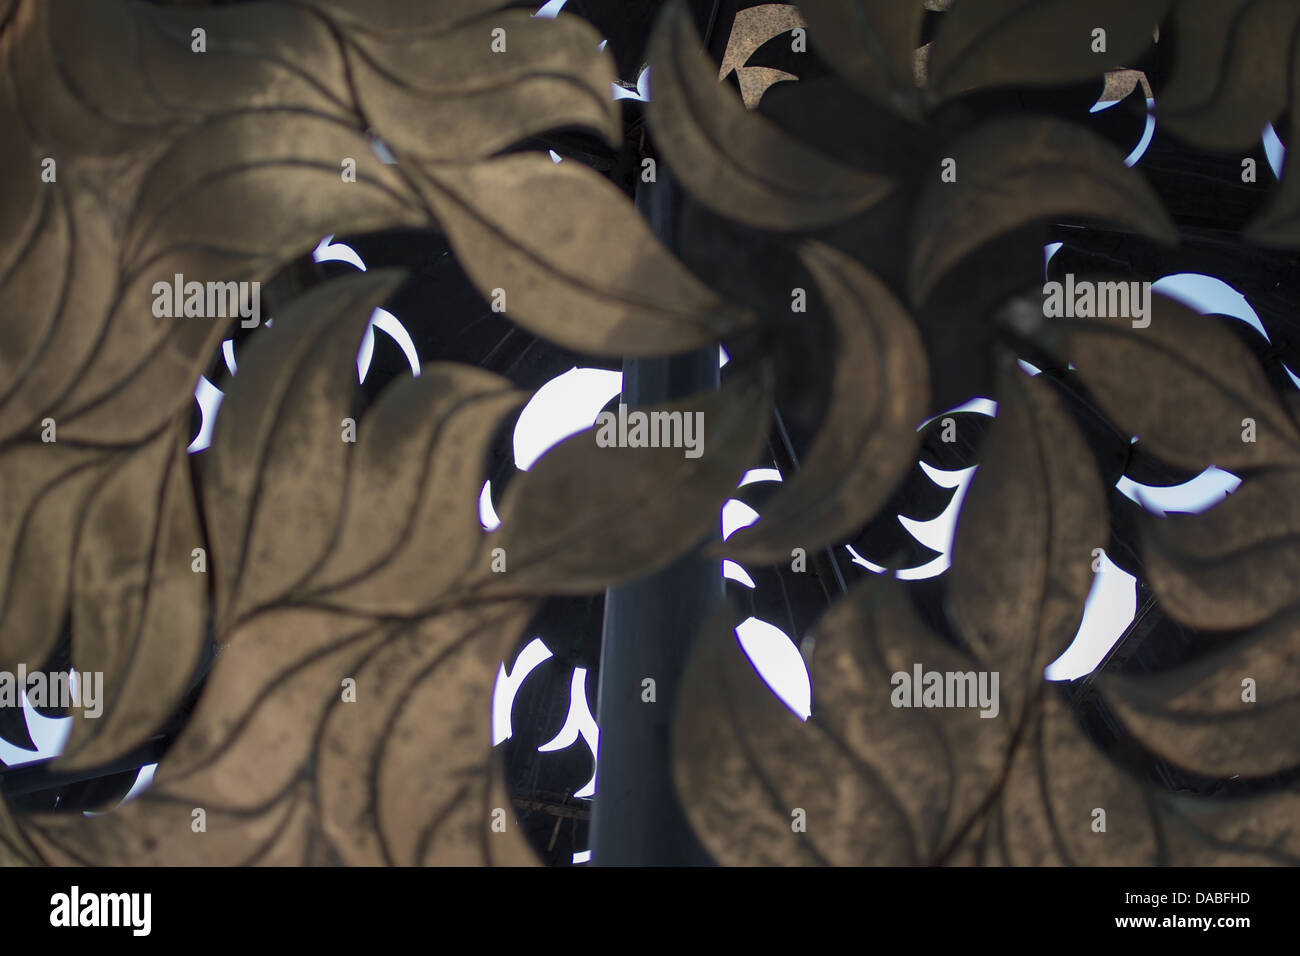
{"x": 649, "y": 626}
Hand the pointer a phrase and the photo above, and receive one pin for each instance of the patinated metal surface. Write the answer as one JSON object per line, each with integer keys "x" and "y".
{"x": 360, "y": 611}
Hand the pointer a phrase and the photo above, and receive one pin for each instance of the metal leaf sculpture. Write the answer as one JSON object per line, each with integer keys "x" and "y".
{"x": 218, "y": 143}
{"x": 358, "y": 610}
{"x": 878, "y": 776}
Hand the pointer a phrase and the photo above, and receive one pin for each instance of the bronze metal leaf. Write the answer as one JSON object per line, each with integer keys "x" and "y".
{"x": 1001, "y": 42}
{"x": 879, "y": 784}
{"x": 1022, "y": 559}
{"x": 43, "y": 491}
{"x": 1209, "y": 383}
{"x": 1235, "y": 565}
{"x": 585, "y": 517}
{"x": 407, "y": 534}
{"x": 278, "y": 462}
{"x": 401, "y": 16}
{"x": 1045, "y": 813}
{"x": 734, "y": 160}
{"x": 870, "y": 43}
{"x": 448, "y": 96}
{"x": 273, "y": 714}
{"x": 1013, "y": 171}
{"x": 139, "y": 611}
{"x": 1195, "y": 717}
{"x": 574, "y": 261}
{"x": 868, "y": 440}
{"x": 1229, "y": 77}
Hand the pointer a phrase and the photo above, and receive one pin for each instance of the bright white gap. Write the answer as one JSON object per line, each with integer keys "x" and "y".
{"x": 736, "y": 515}
{"x": 1273, "y": 150}
{"x": 641, "y": 93}
{"x": 759, "y": 474}
{"x": 578, "y": 723}
{"x": 1148, "y": 132}
{"x": 487, "y": 515}
{"x": 49, "y": 734}
{"x": 778, "y": 662}
{"x": 937, "y": 533}
{"x": 507, "y": 686}
{"x": 327, "y": 250}
{"x": 1049, "y": 250}
{"x": 1207, "y": 294}
{"x": 564, "y": 406}
{"x": 550, "y": 10}
{"x": 1110, "y": 607}
{"x": 1199, "y": 494}
{"x": 209, "y": 398}
{"x": 386, "y": 322}
{"x": 734, "y": 572}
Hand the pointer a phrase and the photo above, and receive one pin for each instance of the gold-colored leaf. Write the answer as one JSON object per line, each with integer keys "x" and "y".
{"x": 276, "y": 468}
{"x": 14, "y": 848}
{"x": 159, "y": 830}
{"x": 139, "y": 611}
{"x": 870, "y": 43}
{"x": 448, "y": 96}
{"x": 37, "y": 563}
{"x": 1229, "y": 74}
{"x": 753, "y": 27}
{"x": 274, "y": 681}
{"x": 437, "y": 785}
{"x": 1022, "y": 559}
{"x": 1209, "y": 383}
{"x": 573, "y": 259}
{"x": 1046, "y": 813}
{"x": 418, "y": 466}
{"x": 1010, "y": 172}
{"x": 1196, "y": 718}
{"x": 879, "y": 784}
{"x": 868, "y": 439}
{"x": 289, "y": 771}
{"x": 402, "y": 16}
{"x": 1237, "y": 564}
{"x": 1259, "y": 831}
{"x": 1001, "y": 42}
{"x": 734, "y": 160}
{"x": 585, "y": 517}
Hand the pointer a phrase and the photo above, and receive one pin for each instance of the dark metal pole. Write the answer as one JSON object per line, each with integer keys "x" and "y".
{"x": 649, "y": 626}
